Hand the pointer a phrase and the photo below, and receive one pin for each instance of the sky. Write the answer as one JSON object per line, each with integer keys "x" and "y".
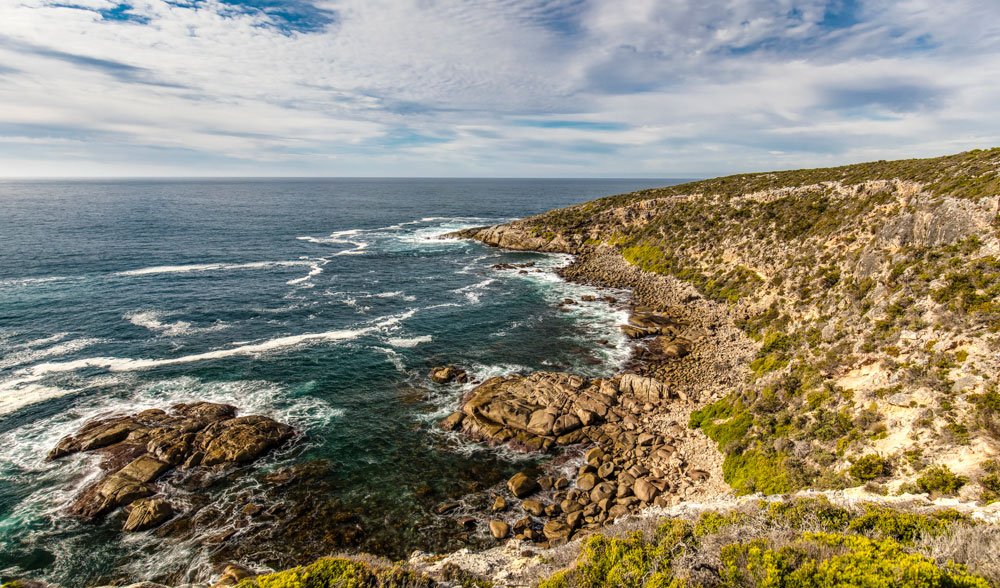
{"x": 494, "y": 88}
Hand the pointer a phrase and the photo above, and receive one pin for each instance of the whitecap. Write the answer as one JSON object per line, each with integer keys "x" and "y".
{"x": 29, "y": 375}
{"x": 408, "y": 342}
{"x": 15, "y": 398}
{"x": 30, "y": 352}
{"x": 316, "y": 268}
{"x": 20, "y": 282}
{"x": 474, "y": 291}
{"x": 153, "y": 321}
{"x": 209, "y": 267}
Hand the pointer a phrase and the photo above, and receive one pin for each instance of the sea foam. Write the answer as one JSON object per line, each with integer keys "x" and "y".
{"x": 210, "y": 267}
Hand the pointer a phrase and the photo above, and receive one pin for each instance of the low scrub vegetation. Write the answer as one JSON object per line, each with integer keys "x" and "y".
{"x": 795, "y": 544}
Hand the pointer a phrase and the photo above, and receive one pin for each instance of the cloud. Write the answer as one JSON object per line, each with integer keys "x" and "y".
{"x": 489, "y": 87}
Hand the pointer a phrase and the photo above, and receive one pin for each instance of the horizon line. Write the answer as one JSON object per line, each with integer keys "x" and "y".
{"x": 179, "y": 178}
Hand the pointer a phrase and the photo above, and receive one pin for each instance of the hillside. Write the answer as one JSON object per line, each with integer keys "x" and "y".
{"x": 869, "y": 296}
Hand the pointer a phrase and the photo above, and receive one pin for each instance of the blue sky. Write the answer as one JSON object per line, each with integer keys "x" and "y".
{"x": 650, "y": 88}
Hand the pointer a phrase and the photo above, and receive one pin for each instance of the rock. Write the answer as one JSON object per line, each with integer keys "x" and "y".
{"x": 644, "y": 490}
{"x": 499, "y": 505}
{"x": 697, "y": 475}
{"x": 586, "y": 481}
{"x": 241, "y": 439}
{"x": 446, "y": 507}
{"x": 499, "y": 529}
{"x": 573, "y": 519}
{"x": 521, "y": 485}
{"x": 602, "y": 491}
{"x": 607, "y": 470}
{"x": 645, "y": 439}
{"x": 143, "y": 469}
{"x": 534, "y": 507}
{"x": 147, "y": 513}
{"x": 231, "y": 575}
{"x": 452, "y": 422}
{"x": 557, "y": 531}
{"x": 647, "y": 389}
{"x": 447, "y": 374}
{"x": 594, "y": 456}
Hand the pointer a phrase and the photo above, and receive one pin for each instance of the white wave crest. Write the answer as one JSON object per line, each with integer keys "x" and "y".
{"x": 316, "y": 268}
{"x": 153, "y": 320}
{"x": 25, "y": 378}
{"x": 407, "y": 342}
{"x": 473, "y": 292}
{"x": 20, "y": 282}
{"x": 30, "y": 352}
{"x": 209, "y": 267}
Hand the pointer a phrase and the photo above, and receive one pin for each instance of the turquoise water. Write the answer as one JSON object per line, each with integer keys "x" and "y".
{"x": 321, "y": 303}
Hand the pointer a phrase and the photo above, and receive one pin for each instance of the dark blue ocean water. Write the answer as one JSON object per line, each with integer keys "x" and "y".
{"x": 322, "y": 303}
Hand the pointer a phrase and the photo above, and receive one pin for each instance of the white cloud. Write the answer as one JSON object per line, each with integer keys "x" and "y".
{"x": 451, "y": 87}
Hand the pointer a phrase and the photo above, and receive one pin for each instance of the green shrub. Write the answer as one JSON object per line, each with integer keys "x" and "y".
{"x": 628, "y": 562}
{"x": 902, "y": 526}
{"x": 940, "y": 480}
{"x": 831, "y": 560}
{"x": 336, "y": 572}
{"x": 758, "y": 471}
{"x": 725, "y": 421}
{"x": 869, "y": 467}
{"x": 990, "y": 481}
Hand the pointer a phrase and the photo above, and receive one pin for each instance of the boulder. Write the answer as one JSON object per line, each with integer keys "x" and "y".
{"x": 452, "y": 422}
{"x": 646, "y": 389}
{"x": 533, "y": 507}
{"x": 586, "y": 481}
{"x": 556, "y": 531}
{"x": 602, "y": 491}
{"x": 499, "y": 529}
{"x": 147, "y": 513}
{"x": 644, "y": 490}
{"x": 447, "y": 374}
{"x": 522, "y": 485}
{"x": 140, "y": 448}
{"x": 232, "y": 574}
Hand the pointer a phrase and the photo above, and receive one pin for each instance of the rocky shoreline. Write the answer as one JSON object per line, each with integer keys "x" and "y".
{"x": 624, "y": 439}
{"x": 618, "y": 444}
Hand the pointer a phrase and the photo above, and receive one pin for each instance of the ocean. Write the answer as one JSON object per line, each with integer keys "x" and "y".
{"x": 321, "y": 303}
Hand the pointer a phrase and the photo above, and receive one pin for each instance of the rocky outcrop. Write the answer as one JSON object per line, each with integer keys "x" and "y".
{"x": 139, "y": 449}
{"x": 447, "y": 374}
{"x": 518, "y": 236}
{"x": 147, "y": 513}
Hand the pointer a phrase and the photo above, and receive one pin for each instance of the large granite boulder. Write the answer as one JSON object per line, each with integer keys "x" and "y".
{"x": 140, "y": 448}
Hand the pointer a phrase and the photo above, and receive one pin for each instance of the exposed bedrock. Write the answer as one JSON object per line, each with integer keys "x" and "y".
{"x": 139, "y": 449}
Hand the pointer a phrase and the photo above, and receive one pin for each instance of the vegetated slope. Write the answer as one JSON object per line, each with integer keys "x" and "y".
{"x": 874, "y": 292}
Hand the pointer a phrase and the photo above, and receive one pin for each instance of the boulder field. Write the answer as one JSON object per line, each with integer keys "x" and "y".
{"x": 629, "y": 461}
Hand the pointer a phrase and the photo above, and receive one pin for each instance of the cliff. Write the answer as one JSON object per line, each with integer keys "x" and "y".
{"x": 869, "y": 294}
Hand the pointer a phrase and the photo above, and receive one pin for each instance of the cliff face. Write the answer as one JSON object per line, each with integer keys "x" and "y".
{"x": 872, "y": 293}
